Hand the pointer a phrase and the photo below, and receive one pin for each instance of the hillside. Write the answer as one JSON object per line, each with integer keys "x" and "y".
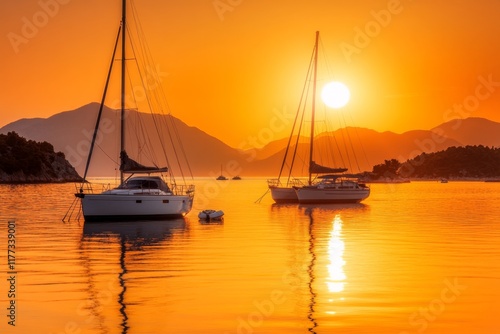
{"x": 471, "y": 131}
{"x": 358, "y": 149}
{"x": 27, "y": 161}
{"x": 71, "y": 133}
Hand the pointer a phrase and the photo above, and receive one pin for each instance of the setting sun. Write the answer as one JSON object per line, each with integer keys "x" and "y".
{"x": 335, "y": 94}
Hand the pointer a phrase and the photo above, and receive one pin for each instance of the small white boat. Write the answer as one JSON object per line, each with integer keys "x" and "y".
{"x": 211, "y": 215}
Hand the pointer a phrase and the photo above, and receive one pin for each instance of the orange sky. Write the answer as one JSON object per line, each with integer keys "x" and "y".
{"x": 229, "y": 70}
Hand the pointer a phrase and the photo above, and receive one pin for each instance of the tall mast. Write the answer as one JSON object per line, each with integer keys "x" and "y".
{"x": 122, "y": 112}
{"x": 313, "y": 105}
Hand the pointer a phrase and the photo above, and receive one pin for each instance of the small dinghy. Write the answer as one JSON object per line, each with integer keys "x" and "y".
{"x": 211, "y": 215}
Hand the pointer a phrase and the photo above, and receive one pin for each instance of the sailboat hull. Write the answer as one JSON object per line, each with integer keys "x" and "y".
{"x": 313, "y": 195}
{"x": 284, "y": 195}
{"x": 116, "y": 207}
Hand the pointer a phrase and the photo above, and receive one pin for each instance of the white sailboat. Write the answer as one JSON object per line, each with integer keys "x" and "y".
{"x": 332, "y": 187}
{"x": 141, "y": 194}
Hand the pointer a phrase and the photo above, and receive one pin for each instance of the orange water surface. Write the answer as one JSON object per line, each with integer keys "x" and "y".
{"x": 421, "y": 257}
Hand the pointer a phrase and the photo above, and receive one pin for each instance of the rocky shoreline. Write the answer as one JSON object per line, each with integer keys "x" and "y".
{"x": 25, "y": 161}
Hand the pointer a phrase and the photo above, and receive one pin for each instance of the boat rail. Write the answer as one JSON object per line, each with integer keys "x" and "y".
{"x": 291, "y": 183}
{"x": 89, "y": 188}
{"x": 92, "y": 188}
{"x": 187, "y": 189}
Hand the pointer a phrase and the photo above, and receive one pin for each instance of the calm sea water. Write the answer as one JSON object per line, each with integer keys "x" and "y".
{"x": 422, "y": 257}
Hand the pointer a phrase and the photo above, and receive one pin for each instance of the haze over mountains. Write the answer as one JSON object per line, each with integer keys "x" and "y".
{"x": 355, "y": 148}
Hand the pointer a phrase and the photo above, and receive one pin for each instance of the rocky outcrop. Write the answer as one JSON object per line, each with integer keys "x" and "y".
{"x": 27, "y": 161}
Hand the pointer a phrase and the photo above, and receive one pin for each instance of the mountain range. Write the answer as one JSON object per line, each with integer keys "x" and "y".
{"x": 358, "y": 149}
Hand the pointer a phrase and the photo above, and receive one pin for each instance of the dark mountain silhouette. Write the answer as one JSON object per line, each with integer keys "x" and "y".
{"x": 455, "y": 163}
{"x": 358, "y": 149}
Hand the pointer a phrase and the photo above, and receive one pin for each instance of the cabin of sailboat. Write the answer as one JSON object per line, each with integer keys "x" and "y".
{"x": 143, "y": 192}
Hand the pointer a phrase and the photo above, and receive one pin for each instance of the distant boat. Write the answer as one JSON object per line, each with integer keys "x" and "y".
{"x": 137, "y": 197}
{"x": 237, "y": 177}
{"x": 221, "y": 177}
{"x": 333, "y": 187}
{"x": 443, "y": 180}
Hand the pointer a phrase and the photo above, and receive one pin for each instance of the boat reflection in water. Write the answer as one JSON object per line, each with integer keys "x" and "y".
{"x": 116, "y": 256}
{"x": 326, "y": 275}
{"x": 334, "y": 263}
{"x": 310, "y": 271}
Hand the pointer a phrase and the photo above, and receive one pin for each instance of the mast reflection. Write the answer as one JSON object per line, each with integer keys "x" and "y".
{"x": 121, "y": 296}
{"x": 326, "y": 250}
{"x": 310, "y": 271}
{"x": 130, "y": 236}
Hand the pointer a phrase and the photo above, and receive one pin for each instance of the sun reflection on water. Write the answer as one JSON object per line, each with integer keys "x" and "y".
{"x": 336, "y": 275}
